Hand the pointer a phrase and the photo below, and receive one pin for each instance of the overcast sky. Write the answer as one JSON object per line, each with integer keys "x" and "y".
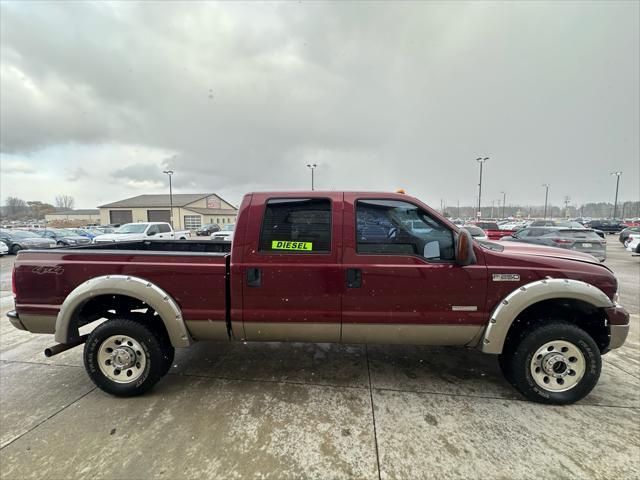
{"x": 98, "y": 98}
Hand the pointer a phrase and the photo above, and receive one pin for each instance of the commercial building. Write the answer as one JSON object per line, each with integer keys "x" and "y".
{"x": 190, "y": 210}
{"x": 81, "y": 215}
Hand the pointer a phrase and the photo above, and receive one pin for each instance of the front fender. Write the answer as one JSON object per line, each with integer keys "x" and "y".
{"x": 134, "y": 287}
{"x": 517, "y": 301}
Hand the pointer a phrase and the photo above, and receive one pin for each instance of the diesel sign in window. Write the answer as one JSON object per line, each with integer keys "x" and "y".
{"x": 296, "y": 225}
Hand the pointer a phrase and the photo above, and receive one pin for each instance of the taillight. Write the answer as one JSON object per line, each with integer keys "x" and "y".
{"x": 562, "y": 241}
{"x": 13, "y": 282}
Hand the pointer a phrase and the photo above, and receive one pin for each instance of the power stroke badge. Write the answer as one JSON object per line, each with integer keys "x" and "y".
{"x": 506, "y": 277}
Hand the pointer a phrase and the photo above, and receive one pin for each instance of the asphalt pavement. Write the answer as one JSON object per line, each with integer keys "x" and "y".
{"x": 315, "y": 411}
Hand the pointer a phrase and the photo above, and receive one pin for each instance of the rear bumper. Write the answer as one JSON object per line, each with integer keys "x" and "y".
{"x": 618, "y": 320}
{"x": 15, "y": 320}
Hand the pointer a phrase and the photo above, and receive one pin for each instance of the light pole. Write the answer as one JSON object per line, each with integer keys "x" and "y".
{"x": 546, "y": 197}
{"x": 615, "y": 203}
{"x": 312, "y": 167}
{"x": 169, "y": 173}
{"x": 504, "y": 199}
{"x": 481, "y": 161}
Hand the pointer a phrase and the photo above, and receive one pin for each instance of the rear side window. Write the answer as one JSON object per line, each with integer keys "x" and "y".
{"x": 296, "y": 225}
{"x": 164, "y": 228}
{"x": 487, "y": 225}
{"x": 580, "y": 234}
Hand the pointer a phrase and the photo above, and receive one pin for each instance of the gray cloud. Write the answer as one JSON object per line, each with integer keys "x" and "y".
{"x": 380, "y": 95}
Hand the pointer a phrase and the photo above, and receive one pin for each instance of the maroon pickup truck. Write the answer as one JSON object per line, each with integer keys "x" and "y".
{"x": 327, "y": 267}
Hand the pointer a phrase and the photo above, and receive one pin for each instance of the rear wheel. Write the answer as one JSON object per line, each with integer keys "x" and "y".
{"x": 124, "y": 357}
{"x": 15, "y": 249}
{"x": 554, "y": 363}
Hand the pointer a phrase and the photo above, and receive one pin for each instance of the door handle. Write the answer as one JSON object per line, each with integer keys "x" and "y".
{"x": 254, "y": 277}
{"x": 354, "y": 278}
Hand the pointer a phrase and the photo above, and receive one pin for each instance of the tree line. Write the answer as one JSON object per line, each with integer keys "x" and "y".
{"x": 18, "y": 209}
{"x": 594, "y": 210}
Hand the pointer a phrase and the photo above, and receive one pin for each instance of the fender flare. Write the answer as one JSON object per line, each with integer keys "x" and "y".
{"x": 517, "y": 301}
{"x": 134, "y": 287}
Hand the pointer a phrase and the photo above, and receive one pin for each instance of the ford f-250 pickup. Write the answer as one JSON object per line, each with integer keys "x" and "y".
{"x": 327, "y": 267}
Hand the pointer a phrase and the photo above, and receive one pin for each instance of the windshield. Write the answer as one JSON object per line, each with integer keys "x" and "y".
{"x": 132, "y": 228}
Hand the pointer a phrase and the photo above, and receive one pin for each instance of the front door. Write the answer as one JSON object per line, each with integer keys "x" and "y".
{"x": 290, "y": 265}
{"x": 403, "y": 284}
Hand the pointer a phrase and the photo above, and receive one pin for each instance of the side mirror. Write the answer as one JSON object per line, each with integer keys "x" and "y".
{"x": 151, "y": 233}
{"x": 464, "y": 248}
{"x": 432, "y": 250}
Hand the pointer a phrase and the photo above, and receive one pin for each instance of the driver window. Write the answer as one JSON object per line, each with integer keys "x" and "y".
{"x": 392, "y": 227}
{"x": 153, "y": 230}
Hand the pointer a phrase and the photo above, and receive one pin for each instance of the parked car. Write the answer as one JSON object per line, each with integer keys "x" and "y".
{"x": 17, "y": 240}
{"x": 301, "y": 270}
{"x": 608, "y": 226}
{"x": 492, "y": 229}
{"x": 4, "y": 249}
{"x": 207, "y": 229}
{"x": 624, "y": 234}
{"x": 582, "y": 240}
{"x": 633, "y": 243}
{"x": 63, "y": 236}
{"x": 143, "y": 231}
{"x": 226, "y": 234}
{"x": 476, "y": 232}
{"x": 90, "y": 234}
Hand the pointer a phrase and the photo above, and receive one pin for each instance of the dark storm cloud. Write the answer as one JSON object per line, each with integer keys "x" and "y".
{"x": 380, "y": 95}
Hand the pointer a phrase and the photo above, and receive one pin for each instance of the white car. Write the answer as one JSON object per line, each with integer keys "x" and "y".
{"x": 224, "y": 235}
{"x": 633, "y": 243}
{"x": 4, "y": 249}
{"x": 143, "y": 231}
{"x": 476, "y": 232}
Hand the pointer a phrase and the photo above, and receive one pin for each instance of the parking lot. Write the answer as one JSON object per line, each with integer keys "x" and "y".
{"x": 315, "y": 411}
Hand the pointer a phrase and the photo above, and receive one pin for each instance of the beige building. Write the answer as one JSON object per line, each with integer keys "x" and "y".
{"x": 190, "y": 210}
{"x": 86, "y": 216}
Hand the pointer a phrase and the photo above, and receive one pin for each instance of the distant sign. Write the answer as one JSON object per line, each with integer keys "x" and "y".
{"x": 478, "y": 214}
{"x": 213, "y": 202}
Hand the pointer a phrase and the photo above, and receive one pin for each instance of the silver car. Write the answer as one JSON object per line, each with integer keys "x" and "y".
{"x": 17, "y": 240}
{"x": 579, "y": 239}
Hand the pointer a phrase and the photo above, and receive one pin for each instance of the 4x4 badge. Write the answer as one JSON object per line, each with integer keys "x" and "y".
{"x": 506, "y": 277}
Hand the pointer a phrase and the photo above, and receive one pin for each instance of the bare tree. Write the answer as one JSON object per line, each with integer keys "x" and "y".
{"x": 65, "y": 202}
{"x": 16, "y": 206}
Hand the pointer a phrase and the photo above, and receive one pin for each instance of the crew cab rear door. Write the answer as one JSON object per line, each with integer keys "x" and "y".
{"x": 402, "y": 282}
{"x": 290, "y": 267}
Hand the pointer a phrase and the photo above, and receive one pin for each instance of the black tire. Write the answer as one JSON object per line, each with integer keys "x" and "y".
{"x": 151, "y": 348}
{"x": 153, "y": 323}
{"x": 15, "y": 249}
{"x": 516, "y": 363}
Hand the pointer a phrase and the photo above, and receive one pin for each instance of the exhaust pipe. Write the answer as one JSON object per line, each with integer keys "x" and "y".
{"x": 63, "y": 347}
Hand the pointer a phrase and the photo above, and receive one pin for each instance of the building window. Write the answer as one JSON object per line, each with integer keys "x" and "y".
{"x": 192, "y": 222}
{"x": 297, "y": 225}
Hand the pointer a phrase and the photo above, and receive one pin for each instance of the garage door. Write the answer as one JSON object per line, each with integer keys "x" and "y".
{"x": 120, "y": 216}
{"x": 158, "y": 215}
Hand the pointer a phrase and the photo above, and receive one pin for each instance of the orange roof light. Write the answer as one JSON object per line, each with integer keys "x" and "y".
{"x": 401, "y": 190}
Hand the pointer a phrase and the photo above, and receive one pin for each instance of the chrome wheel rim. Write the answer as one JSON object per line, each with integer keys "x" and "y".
{"x": 121, "y": 359}
{"x": 558, "y": 366}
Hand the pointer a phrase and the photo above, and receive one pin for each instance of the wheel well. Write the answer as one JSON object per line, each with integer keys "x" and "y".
{"x": 582, "y": 314}
{"x": 112, "y": 306}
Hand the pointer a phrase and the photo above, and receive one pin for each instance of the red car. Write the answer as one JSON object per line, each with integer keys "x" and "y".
{"x": 327, "y": 267}
{"x": 492, "y": 230}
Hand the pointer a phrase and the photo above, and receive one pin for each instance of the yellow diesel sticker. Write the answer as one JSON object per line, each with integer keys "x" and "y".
{"x": 286, "y": 245}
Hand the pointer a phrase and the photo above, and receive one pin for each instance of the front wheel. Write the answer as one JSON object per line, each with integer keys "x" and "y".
{"x": 124, "y": 357}
{"x": 555, "y": 363}
{"x": 15, "y": 249}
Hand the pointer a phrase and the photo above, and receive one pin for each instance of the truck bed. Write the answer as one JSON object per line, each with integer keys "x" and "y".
{"x": 193, "y": 273}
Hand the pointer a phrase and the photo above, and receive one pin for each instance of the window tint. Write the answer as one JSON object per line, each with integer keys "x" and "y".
{"x": 296, "y": 225}
{"x": 580, "y": 234}
{"x": 153, "y": 229}
{"x": 164, "y": 228}
{"x": 487, "y": 225}
{"x": 538, "y": 232}
{"x": 391, "y": 227}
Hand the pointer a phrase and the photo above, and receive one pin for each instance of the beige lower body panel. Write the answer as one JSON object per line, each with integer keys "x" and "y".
{"x": 292, "y": 332}
{"x": 207, "y": 329}
{"x": 409, "y": 334}
{"x": 38, "y": 323}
